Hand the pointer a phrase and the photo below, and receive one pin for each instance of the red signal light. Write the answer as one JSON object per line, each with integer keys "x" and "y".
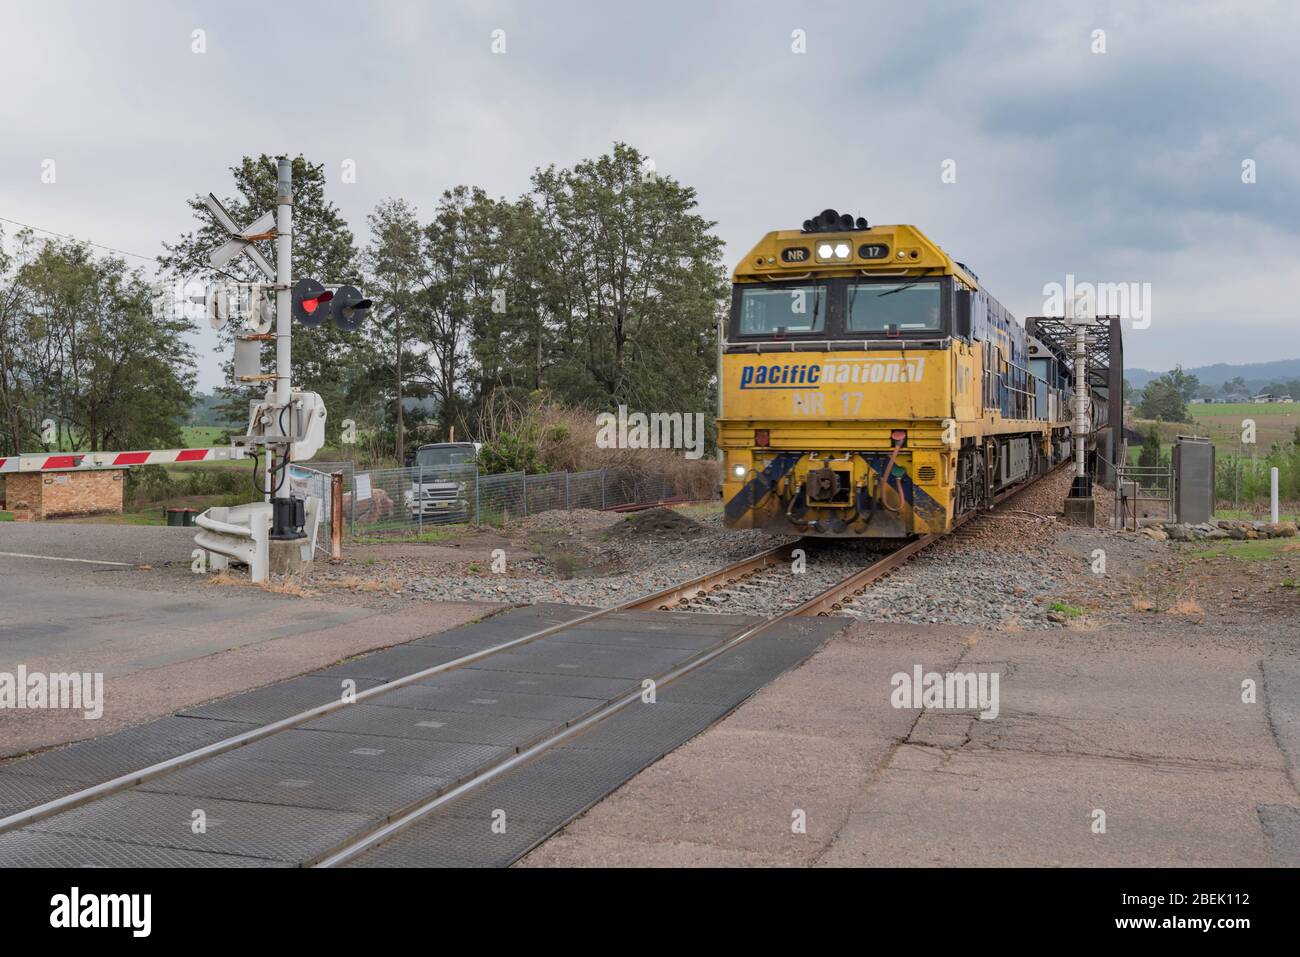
{"x": 761, "y": 437}
{"x": 311, "y": 302}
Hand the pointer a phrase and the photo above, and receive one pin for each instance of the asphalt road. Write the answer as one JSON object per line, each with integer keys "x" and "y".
{"x": 134, "y": 544}
{"x": 162, "y": 638}
{"x": 1110, "y": 749}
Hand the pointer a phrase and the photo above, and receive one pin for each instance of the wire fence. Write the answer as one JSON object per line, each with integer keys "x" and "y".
{"x": 406, "y": 500}
{"x": 1144, "y": 493}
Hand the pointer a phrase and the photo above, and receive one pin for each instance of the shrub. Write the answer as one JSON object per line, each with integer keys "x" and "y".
{"x": 148, "y": 483}
{"x": 543, "y": 435}
{"x": 517, "y": 451}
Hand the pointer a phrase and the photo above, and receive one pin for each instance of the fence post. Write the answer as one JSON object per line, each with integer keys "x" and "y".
{"x": 568, "y": 507}
{"x": 477, "y": 477}
{"x": 1272, "y": 494}
{"x": 523, "y": 476}
{"x": 336, "y": 516}
{"x": 602, "y": 488}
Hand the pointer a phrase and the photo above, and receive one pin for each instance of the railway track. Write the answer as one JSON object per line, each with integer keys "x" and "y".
{"x": 825, "y": 602}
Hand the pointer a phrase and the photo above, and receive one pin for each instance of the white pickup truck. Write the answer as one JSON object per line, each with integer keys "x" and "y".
{"x": 442, "y": 482}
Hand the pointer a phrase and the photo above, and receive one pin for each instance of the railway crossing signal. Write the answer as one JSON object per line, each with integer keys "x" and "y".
{"x": 241, "y": 240}
{"x": 311, "y": 302}
{"x": 217, "y": 306}
{"x": 349, "y": 308}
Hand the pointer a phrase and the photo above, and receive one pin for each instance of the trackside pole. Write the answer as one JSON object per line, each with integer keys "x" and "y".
{"x": 1080, "y": 506}
{"x": 283, "y": 307}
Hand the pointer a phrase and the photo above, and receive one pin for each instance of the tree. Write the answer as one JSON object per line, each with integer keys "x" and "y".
{"x": 1163, "y": 399}
{"x": 17, "y": 425}
{"x": 636, "y": 284}
{"x": 511, "y": 341}
{"x": 452, "y": 277}
{"x": 1235, "y": 386}
{"x": 325, "y": 360}
{"x": 1149, "y": 457}
{"x": 1186, "y": 385}
{"x": 394, "y": 268}
{"x": 82, "y": 348}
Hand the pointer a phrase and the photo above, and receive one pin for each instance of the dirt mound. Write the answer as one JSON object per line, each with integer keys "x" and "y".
{"x": 573, "y": 520}
{"x": 660, "y": 524}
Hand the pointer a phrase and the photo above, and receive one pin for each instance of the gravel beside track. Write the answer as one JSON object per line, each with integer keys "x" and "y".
{"x": 1002, "y": 570}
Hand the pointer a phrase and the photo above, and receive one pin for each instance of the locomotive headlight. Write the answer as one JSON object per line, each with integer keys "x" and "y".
{"x": 825, "y": 251}
{"x": 841, "y": 250}
{"x": 738, "y": 471}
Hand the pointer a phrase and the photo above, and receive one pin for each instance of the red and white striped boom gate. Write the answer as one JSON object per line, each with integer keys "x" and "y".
{"x": 72, "y": 461}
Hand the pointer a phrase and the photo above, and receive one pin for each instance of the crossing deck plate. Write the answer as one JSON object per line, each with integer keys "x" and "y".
{"x": 234, "y": 777}
{"x": 239, "y": 828}
{"x": 102, "y": 759}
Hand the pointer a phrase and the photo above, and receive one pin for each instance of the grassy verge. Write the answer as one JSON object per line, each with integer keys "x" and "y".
{"x": 1255, "y": 515}
{"x": 6, "y": 516}
{"x": 427, "y": 536}
{"x": 1251, "y": 550}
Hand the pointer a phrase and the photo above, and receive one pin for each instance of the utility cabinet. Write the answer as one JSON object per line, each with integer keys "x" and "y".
{"x": 1193, "y": 463}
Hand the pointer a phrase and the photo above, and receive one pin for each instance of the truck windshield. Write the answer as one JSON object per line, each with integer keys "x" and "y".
{"x": 444, "y": 455}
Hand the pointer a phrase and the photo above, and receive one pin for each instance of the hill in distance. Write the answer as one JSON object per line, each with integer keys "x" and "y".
{"x": 1257, "y": 374}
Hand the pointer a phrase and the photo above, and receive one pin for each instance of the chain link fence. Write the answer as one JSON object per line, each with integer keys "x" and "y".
{"x": 407, "y": 500}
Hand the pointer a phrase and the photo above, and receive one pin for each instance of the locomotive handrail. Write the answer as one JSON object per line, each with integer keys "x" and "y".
{"x": 835, "y": 345}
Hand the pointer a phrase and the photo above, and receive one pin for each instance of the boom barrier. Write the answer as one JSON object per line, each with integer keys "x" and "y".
{"x": 71, "y": 461}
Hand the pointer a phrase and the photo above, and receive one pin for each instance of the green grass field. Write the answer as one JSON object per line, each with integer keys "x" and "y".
{"x": 1253, "y": 409}
{"x": 1222, "y": 424}
{"x": 201, "y": 436}
{"x": 1275, "y": 423}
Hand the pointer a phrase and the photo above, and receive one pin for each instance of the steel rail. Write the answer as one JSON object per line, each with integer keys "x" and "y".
{"x": 819, "y": 605}
{"x": 674, "y": 594}
{"x": 133, "y": 778}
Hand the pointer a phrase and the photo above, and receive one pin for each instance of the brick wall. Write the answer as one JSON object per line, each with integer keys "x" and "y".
{"x": 32, "y": 496}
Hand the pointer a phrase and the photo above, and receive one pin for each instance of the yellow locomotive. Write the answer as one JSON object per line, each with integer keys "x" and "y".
{"x": 872, "y": 388}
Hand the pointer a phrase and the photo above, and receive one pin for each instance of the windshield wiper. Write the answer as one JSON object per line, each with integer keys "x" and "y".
{"x": 907, "y": 285}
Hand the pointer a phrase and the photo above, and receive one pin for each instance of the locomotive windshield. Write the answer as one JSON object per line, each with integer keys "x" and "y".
{"x": 894, "y": 307}
{"x": 767, "y": 311}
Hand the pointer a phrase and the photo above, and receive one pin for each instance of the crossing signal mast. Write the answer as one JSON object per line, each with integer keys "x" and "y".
{"x": 288, "y": 425}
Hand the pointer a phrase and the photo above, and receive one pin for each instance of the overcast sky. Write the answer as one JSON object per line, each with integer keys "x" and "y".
{"x": 1122, "y": 166}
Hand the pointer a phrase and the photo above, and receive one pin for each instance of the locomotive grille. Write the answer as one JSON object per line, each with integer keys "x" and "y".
{"x": 925, "y": 473}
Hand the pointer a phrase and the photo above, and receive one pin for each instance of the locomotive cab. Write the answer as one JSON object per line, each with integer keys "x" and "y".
{"x": 871, "y": 388}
